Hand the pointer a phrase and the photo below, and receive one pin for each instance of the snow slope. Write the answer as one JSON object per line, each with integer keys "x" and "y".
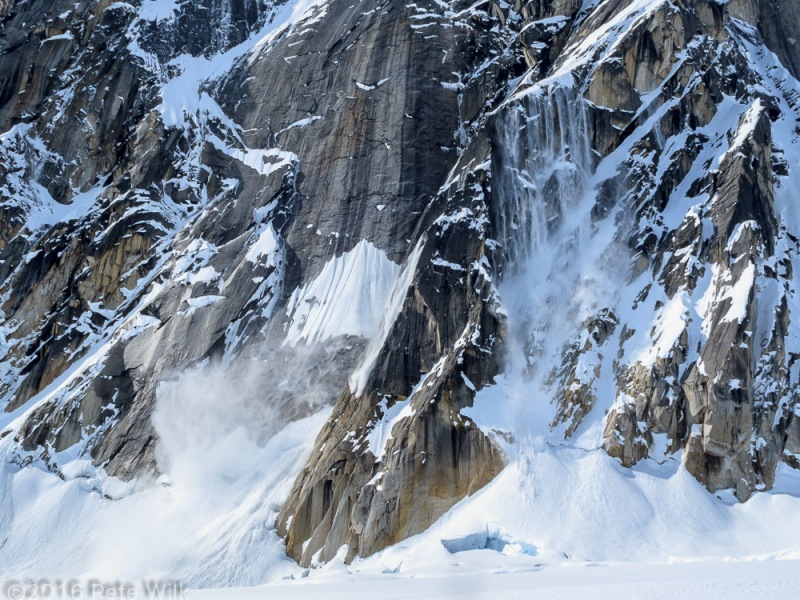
{"x": 712, "y": 580}
{"x": 347, "y": 298}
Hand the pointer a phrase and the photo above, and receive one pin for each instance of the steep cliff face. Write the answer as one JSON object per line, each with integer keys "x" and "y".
{"x": 643, "y": 259}
{"x": 591, "y": 203}
{"x": 103, "y": 184}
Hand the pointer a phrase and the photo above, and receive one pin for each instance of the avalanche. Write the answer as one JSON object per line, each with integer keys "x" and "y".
{"x": 442, "y": 299}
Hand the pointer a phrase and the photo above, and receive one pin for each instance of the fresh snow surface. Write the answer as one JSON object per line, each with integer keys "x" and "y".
{"x": 158, "y": 10}
{"x": 558, "y": 521}
{"x": 392, "y": 308}
{"x": 348, "y": 297}
{"x": 707, "y": 580}
{"x": 562, "y": 522}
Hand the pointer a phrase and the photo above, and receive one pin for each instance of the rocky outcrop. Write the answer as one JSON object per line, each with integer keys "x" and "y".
{"x": 197, "y": 200}
{"x": 706, "y": 395}
{"x": 5, "y": 7}
{"x": 576, "y": 380}
{"x": 397, "y": 453}
{"x": 777, "y": 23}
{"x": 110, "y": 194}
{"x": 600, "y": 188}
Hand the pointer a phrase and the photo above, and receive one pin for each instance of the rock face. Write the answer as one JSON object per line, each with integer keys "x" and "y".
{"x": 600, "y": 190}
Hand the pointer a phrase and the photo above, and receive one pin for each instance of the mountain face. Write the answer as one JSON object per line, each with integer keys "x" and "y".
{"x": 398, "y": 209}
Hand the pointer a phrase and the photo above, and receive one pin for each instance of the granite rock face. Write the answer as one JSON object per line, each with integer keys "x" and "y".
{"x": 603, "y": 191}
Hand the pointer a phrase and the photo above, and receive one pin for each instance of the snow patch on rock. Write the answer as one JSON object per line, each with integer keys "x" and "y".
{"x": 347, "y": 297}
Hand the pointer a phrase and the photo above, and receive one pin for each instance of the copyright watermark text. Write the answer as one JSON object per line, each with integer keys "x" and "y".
{"x": 91, "y": 589}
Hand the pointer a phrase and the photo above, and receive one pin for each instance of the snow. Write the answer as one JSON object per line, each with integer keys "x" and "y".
{"x": 194, "y": 256}
{"x": 605, "y": 39}
{"x": 654, "y": 513}
{"x": 64, "y": 36}
{"x": 369, "y": 87}
{"x": 562, "y": 520}
{"x": 721, "y": 288}
{"x": 301, "y": 123}
{"x": 391, "y": 310}
{"x": 382, "y": 431}
{"x": 746, "y": 127}
{"x": 18, "y": 147}
{"x": 207, "y": 274}
{"x": 182, "y": 98}
{"x": 210, "y": 519}
{"x": 668, "y": 327}
{"x": 293, "y": 17}
{"x": 347, "y": 297}
{"x": 739, "y": 295}
{"x": 264, "y": 162}
{"x": 201, "y": 302}
{"x": 593, "y": 581}
{"x": 265, "y": 245}
{"x": 158, "y": 10}
{"x": 185, "y": 100}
